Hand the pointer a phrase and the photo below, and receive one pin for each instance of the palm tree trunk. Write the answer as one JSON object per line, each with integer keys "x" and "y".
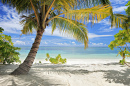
{"x": 123, "y": 56}
{"x": 26, "y": 65}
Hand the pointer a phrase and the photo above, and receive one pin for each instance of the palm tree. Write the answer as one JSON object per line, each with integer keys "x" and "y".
{"x": 120, "y": 20}
{"x": 69, "y": 16}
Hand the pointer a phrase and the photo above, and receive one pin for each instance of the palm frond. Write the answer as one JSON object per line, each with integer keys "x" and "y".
{"x": 74, "y": 28}
{"x": 120, "y": 20}
{"x": 68, "y": 15}
{"x": 98, "y": 12}
{"x": 35, "y": 12}
{"x": 22, "y": 6}
{"x": 29, "y": 23}
{"x": 79, "y": 4}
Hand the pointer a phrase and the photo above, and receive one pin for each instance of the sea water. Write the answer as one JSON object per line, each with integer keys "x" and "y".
{"x": 73, "y": 52}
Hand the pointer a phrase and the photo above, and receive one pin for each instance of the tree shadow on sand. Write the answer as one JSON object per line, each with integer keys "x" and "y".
{"x": 121, "y": 76}
{"x": 42, "y": 75}
{"x": 118, "y": 76}
{"x": 31, "y": 79}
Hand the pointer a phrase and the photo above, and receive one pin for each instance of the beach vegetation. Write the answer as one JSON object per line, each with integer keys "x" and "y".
{"x": 8, "y": 53}
{"x": 40, "y": 62}
{"x": 122, "y": 61}
{"x": 128, "y": 9}
{"x": 68, "y": 16}
{"x": 56, "y": 60}
{"x": 122, "y": 38}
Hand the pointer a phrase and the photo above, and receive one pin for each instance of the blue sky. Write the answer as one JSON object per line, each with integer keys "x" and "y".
{"x": 100, "y": 34}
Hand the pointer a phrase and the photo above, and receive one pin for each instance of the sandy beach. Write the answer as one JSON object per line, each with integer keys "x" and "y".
{"x": 83, "y": 72}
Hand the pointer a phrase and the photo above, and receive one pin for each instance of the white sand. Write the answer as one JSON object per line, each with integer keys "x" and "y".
{"x": 83, "y": 72}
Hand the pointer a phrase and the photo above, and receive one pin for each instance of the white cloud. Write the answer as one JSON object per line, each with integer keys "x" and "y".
{"x": 92, "y": 35}
{"x": 48, "y": 31}
{"x": 104, "y": 29}
{"x": 14, "y": 38}
{"x": 10, "y": 20}
{"x": 19, "y": 42}
{"x": 43, "y": 42}
{"x": 105, "y": 22}
{"x": 32, "y": 39}
{"x": 67, "y": 36}
{"x": 73, "y": 42}
{"x": 98, "y": 44}
{"x": 62, "y": 44}
{"x": 107, "y": 30}
{"x": 46, "y": 43}
{"x": 118, "y": 1}
{"x": 120, "y": 9}
{"x": 58, "y": 43}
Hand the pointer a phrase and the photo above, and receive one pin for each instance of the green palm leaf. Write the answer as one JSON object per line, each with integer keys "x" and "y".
{"x": 120, "y": 20}
{"x": 74, "y": 28}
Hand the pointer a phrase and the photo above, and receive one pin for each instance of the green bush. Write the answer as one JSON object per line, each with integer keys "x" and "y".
{"x": 57, "y": 60}
{"x": 40, "y": 62}
{"x": 8, "y": 52}
{"x": 121, "y": 41}
{"x": 122, "y": 61}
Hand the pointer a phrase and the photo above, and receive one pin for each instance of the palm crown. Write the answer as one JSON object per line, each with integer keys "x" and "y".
{"x": 67, "y": 15}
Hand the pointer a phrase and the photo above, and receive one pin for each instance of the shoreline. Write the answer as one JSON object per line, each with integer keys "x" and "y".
{"x": 83, "y": 61}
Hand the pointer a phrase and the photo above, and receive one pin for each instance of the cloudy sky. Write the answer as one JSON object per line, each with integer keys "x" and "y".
{"x": 100, "y": 34}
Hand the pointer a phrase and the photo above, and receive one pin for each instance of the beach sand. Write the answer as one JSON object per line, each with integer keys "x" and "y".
{"x": 76, "y": 72}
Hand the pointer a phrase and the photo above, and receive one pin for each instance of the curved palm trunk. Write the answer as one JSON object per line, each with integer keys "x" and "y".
{"x": 123, "y": 57}
{"x": 26, "y": 65}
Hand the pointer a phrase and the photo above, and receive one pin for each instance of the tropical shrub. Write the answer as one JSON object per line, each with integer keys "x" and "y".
{"x": 57, "y": 60}
{"x": 40, "y": 62}
{"x": 122, "y": 39}
{"x": 8, "y": 53}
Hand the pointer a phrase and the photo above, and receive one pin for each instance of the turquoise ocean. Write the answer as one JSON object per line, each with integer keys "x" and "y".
{"x": 72, "y": 52}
